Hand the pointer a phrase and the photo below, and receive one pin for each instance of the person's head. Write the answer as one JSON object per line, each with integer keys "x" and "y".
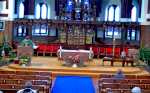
{"x": 28, "y": 84}
{"x": 119, "y": 71}
{"x": 28, "y": 87}
{"x": 108, "y": 90}
{"x": 119, "y": 74}
{"x": 136, "y": 90}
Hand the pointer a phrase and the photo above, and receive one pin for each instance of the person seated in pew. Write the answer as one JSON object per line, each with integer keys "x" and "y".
{"x": 27, "y": 89}
{"x": 119, "y": 75}
{"x": 136, "y": 90}
{"x": 109, "y": 90}
{"x": 1, "y": 91}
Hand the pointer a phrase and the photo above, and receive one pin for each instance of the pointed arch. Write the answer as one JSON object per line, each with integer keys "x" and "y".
{"x": 106, "y": 14}
{"x": 37, "y": 11}
{"x": 133, "y": 14}
{"x": 111, "y": 13}
{"x": 117, "y": 13}
{"x": 21, "y": 10}
{"x": 44, "y": 11}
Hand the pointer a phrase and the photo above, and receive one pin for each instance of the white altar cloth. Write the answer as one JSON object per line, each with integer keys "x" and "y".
{"x": 84, "y": 55}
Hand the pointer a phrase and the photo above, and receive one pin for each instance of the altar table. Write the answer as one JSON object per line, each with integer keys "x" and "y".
{"x": 85, "y": 55}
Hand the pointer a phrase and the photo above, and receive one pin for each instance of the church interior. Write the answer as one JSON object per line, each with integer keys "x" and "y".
{"x": 75, "y": 46}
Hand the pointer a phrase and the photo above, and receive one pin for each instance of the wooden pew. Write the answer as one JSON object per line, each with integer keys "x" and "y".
{"x": 124, "y": 85}
{"x": 16, "y": 80}
{"x": 124, "y": 61}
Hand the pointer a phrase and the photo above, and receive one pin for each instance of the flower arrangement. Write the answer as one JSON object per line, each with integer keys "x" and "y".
{"x": 24, "y": 60}
{"x": 76, "y": 59}
{"x": 73, "y": 61}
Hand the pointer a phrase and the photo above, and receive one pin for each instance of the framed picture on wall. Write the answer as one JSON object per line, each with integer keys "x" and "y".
{"x": 2, "y": 25}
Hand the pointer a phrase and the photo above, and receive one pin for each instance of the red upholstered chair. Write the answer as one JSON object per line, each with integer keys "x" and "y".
{"x": 117, "y": 52}
{"x": 95, "y": 50}
{"x": 49, "y": 49}
{"x": 55, "y": 48}
{"x": 102, "y": 51}
{"x": 41, "y": 49}
{"x": 109, "y": 51}
{"x": 126, "y": 50}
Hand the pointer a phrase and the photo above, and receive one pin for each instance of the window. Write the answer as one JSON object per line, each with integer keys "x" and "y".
{"x": 117, "y": 33}
{"x": 117, "y": 14}
{"x": 109, "y": 32}
{"x": 40, "y": 30}
{"x": 70, "y": 6}
{"x": 86, "y": 4}
{"x": 21, "y": 31}
{"x": 41, "y": 11}
{"x": 52, "y": 32}
{"x": 21, "y": 10}
{"x": 111, "y": 14}
{"x": 106, "y": 14}
{"x": 131, "y": 34}
{"x": 2, "y": 25}
{"x": 113, "y": 32}
{"x": 133, "y": 14}
{"x": 44, "y": 11}
{"x": 37, "y": 11}
{"x": 100, "y": 33}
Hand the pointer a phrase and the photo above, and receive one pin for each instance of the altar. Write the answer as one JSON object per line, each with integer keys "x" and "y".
{"x": 84, "y": 55}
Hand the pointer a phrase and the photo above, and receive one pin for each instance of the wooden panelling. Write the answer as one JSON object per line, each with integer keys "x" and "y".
{"x": 145, "y": 33}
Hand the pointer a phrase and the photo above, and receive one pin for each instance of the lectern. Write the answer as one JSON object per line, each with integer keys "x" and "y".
{"x": 25, "y": 51}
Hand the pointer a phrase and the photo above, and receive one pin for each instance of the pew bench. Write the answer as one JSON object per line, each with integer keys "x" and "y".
{"x": 124, "y": 61}
{"x": 15, "y": 80}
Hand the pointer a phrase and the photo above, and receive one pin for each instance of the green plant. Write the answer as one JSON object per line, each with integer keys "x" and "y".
{"x": 12, "y": 55}
{"x": 24, "y": 60}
